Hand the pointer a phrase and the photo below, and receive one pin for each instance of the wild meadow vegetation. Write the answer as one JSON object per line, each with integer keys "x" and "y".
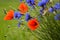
{"x": 48, "y": 21}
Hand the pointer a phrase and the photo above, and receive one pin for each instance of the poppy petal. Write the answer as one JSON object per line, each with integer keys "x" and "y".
{"x": 23, "y": 8}
{"x": 8, "y": 18}
{"x": 33, "y": 24}
{"x": 10, "y": 15}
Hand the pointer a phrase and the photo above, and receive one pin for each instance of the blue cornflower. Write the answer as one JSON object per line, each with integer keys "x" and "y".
{"x": 41, "y": 3}
{"x": 57, "y": 17}
{"x": 19, "y": 24}
{"x": 51, "y": 9}
{"x": 57, "y": 6}
{"x": 33, "y": 1}
{"x": 20, "y": 0}
{"x": 27, "y": 17}
{"x": 17, "y": 15}
{"x": 41, "y": 11}
{"x": 27, "y": 1}
{"x": 45, "y": 1}
{"x": 30, "y": 2}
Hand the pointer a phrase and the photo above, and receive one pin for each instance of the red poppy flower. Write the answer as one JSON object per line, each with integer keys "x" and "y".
{"x": 33, "y": 24}
{"x": 10, "y": 15}
{"x": 23, "y": 8}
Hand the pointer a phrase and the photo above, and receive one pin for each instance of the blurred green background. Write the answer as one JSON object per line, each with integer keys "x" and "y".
{"x": 49, "y": 28}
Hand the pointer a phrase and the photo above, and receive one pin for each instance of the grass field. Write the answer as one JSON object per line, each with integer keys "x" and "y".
{"x": 49, "y": 28}
{"x": 12, "y": 33}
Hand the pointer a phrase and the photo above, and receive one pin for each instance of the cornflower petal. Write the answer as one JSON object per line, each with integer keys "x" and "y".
{"x": 27, "y": 17}
{"x": 19, "y": 24}
{"x": 51, "y": 9}
{"x": 17, "y": 15}
{"x": 45, "y": 1}
{"x": 20, "y": 0}
{"x": 57, "y": 6}
{"x": 41, "y": 3}
{"x": 30, "y": 2}
{"x": 57, "y": 17}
